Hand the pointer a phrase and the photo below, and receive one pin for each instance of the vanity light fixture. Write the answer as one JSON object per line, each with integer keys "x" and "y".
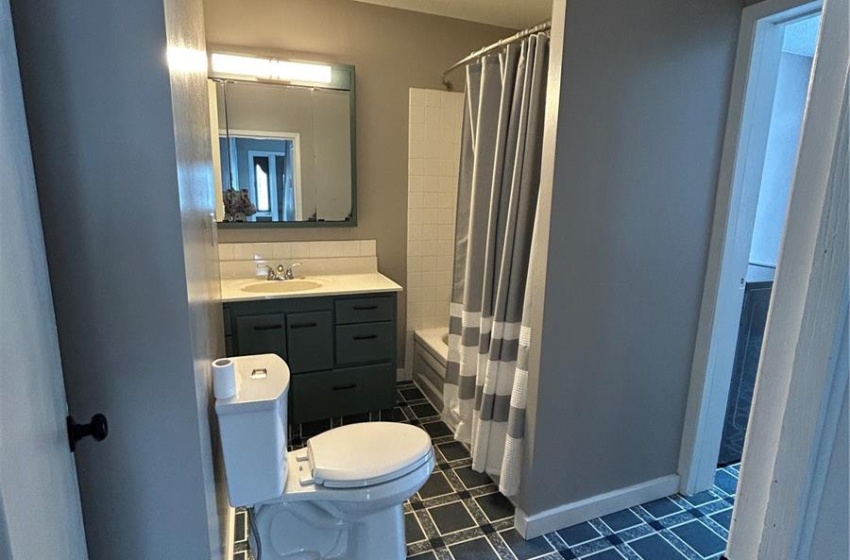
{"x": 270, "y": 68}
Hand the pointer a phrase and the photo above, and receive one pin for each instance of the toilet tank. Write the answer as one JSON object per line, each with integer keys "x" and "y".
{"x": 252, "y": 425}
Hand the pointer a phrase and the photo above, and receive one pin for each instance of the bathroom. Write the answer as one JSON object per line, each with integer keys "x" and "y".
{"x": 137, "y": 276}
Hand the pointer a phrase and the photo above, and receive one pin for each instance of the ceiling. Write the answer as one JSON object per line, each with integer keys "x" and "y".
{"x": 514, "y": 14}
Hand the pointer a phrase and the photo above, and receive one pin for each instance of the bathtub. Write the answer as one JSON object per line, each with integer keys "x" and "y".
{"x": 430, "y": 352}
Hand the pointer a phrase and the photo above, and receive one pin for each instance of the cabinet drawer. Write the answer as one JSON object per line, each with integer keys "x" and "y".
{"x": 357, "y": 344}
{"x": 310, "y": 341}
{"x": 364, "y": 310}
{"x": 316, "y": 396}
{"x": 261, "y": 334}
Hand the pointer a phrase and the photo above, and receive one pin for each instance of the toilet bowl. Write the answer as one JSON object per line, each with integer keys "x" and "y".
{"x": 340, "y": 497}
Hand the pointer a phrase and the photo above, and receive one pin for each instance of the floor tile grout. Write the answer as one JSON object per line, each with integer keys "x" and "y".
{"x": 687, "y": 526}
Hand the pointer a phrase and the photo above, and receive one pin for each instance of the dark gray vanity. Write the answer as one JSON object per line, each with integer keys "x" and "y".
{"x": 341, "y": 350}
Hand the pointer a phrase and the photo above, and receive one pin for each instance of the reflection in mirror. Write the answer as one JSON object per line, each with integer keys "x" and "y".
{"x": 290, "y": 149}
{"x": 267, "y": 167}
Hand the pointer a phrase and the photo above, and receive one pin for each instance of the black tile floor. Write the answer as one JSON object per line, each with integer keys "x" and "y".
{"x": 460, "y": 515}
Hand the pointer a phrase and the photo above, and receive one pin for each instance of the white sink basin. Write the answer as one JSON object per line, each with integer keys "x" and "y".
{"x": 281, "y": 286}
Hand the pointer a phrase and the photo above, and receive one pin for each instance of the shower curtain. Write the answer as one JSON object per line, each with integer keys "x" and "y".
{"x": 489, "y": 337}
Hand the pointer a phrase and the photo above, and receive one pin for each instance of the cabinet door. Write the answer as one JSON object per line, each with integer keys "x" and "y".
{"x": 747, "y": 353}
{"x": 261, "y": 334}
{"x": 310, "y": 341}
{"x": 228, "y": 321}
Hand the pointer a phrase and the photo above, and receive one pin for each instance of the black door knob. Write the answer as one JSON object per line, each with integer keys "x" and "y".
{"x": 97, "y": 428}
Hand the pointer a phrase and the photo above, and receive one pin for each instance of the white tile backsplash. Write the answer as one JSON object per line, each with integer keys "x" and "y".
{"x": 300, "y": 250}
{"x": 434, "y": 149}
{"x": 434, "y": 98}
{"x": 282, "y": 251}
{"x": 368, "y": 247}
{"x": 264, "y": 251}
{"x": 319, "y": 250}
{"x": 418, "y": 98}
{"x": 351, "y": 248}
{"x": 225, "y": 252}
{"x": 240, "y": 260}
{"x": 243, "y": 251}
{"x": 417, "y": 115}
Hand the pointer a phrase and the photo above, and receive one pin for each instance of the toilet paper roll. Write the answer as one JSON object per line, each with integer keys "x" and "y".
{"x": 224, "y": 378}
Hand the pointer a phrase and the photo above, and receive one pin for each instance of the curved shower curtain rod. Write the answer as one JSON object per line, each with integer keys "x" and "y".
{"x": 539, "y": 28}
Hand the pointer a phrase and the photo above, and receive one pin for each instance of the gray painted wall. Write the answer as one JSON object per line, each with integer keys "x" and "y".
{"x": 184, "y": 27}
{"x": 121, "y": 151}
{"x": 780, "y": 157}
{"x": 392, "y": 50}
{"x": 639, "y": 134}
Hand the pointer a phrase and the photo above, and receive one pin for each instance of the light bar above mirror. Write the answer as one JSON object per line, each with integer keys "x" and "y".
{"x": 247, "y": 67}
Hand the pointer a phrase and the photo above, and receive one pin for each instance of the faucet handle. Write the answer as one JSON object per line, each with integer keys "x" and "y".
{"x": 270, "y": 273}
{"x": 288, "y": 272}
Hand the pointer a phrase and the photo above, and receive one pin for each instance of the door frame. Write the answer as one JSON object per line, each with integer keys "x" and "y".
{"x": 748, "y": 123}
{"x": 295, "y": 138}
{"x": 272, "y": 178}
{"x": 803, "y": 375}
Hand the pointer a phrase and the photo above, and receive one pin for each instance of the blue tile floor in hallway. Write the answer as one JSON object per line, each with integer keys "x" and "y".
{"x": 460, "y": 515}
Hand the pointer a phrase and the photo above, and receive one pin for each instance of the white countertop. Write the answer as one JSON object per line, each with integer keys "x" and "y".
{"x": 331, "y": 285}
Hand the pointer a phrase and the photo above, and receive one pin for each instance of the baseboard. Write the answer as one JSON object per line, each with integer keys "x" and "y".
{"x": 530, "y": 526}
{"x": 230, "y": 519}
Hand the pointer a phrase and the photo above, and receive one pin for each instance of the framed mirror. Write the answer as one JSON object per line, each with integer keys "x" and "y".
{"x": 286, "y": 145}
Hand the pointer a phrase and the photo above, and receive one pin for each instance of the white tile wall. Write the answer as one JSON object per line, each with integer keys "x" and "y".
{"x": 435, "y": 128}
{"x": 240, "y": 260}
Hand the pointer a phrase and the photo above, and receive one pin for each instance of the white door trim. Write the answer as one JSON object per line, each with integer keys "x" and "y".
{"x": 802, "y": 380}
{"x": 272, "y": 181}
{"x": 295, "y": 137}
{"x": 748, "y": 124}
{"x": 567, "y": 515}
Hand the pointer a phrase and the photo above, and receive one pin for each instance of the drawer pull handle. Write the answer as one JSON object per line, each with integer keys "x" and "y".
{"x": 268, "y": 327}
{"x": 345, "y": 387}
{"x": 365, "y": 307}
{"x": 304, "y": 325}
{"x": 365, "y": 337}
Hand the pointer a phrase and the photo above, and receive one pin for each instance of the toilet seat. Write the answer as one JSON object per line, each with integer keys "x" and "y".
{"x": 361, "y": 455}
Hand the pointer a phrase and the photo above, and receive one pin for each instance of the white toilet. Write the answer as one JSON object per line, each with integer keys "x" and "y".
{"x": 340, "y": 497}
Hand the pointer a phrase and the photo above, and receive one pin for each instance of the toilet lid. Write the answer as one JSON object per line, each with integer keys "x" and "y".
{"x": 366, "y": 454}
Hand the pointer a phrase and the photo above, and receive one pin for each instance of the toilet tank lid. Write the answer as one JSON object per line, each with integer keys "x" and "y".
{"x": 370, "y": 451}
{"x": 261, "y": 381}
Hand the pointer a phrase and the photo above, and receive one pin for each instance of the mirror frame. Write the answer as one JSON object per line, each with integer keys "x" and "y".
{"x": 343, "y": 79}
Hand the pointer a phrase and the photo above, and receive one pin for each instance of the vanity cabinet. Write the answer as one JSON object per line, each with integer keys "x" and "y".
{"x": 341, "y": 350}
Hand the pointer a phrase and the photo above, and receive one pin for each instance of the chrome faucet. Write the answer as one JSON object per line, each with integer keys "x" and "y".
{"x": 287, "y": 272}
{"x": 271, "y": 273}
{"x": 279, "y": 272}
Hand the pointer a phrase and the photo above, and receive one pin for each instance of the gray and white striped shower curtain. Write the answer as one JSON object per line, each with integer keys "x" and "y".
{"x": 489, "y": 337}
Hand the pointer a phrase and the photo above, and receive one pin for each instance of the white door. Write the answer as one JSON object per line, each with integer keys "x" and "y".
{"x": 39, "y": 500}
